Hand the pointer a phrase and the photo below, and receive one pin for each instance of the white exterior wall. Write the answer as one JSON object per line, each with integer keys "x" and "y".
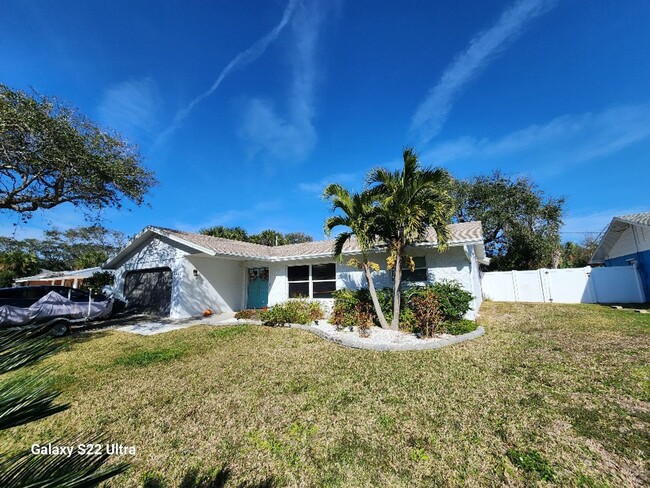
{"x": 218, "y": 285}
{"x": 633, "y": 236}
{"x": 453, "y": 264}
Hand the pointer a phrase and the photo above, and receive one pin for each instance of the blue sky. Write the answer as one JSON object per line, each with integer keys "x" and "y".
{"x": 245, "y": 110}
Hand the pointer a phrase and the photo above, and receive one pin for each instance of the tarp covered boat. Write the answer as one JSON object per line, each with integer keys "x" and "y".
{"x": 51, "y": 306}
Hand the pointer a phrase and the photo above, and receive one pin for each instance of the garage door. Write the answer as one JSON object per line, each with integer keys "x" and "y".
{"x": 149, "y": 291}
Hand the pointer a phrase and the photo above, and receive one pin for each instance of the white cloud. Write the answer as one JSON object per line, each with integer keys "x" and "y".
{"x": 242, "y": 59}
{"x": 291, "y": 138}
{"x": 483, "y": 48}
{"x": 565, "y": 140}
{"x": 317, "y": 187}
{"x": 131, "y": 107}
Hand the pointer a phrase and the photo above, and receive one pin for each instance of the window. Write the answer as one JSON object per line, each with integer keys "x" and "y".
{"x": 312, "y": 281}
{"x": 420, "y": 272}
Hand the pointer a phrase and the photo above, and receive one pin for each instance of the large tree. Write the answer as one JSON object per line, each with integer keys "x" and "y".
{"x": 59, "y": 250}
{"x": 51, "y": 154}
{"x": 410, "y": 201}
{"x": 520, "y": 223}
{"x": 359, "y": 215}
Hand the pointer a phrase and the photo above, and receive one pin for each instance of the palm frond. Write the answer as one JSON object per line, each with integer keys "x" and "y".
{"x": 26, "y": 399}
{"x": 19, "y": 349}
{"x": 339, "y": 243}
{"x": 77, "y": 471}
{"x": 335, "y": 221}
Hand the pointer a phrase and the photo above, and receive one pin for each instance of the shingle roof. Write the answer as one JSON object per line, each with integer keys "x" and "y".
{"x": 642, "y": 218}
{"x": 459, "y": 234}
{"x": 613, "y": 232}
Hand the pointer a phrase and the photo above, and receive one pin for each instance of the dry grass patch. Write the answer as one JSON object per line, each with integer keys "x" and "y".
{"x": 551, "y": 394}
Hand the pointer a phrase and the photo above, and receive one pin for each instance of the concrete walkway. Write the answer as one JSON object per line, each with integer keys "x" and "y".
{"x": 149, "y": 326}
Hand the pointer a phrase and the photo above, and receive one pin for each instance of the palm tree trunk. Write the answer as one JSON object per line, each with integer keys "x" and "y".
{"x": 373, "y": 295}
{"x": 396, "y": 294}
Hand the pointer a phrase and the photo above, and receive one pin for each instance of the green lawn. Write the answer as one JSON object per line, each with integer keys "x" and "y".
{"x": 551, "y": 394}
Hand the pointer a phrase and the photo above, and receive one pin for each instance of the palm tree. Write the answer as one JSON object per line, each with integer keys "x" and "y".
{"x": 359, "y": 215}
{"x": 410, "y": 201}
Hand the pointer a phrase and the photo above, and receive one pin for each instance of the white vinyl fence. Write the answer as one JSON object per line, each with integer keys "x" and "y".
{"x": 618, "y": 284}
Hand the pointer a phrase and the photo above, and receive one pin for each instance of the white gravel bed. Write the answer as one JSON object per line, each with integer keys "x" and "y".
{"x": 377, "y": 335}
{"x": 384, "y": 339}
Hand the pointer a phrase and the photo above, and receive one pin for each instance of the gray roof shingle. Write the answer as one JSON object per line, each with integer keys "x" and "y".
{"x": 459, "y": 234}
{"x": 642, "y": 218}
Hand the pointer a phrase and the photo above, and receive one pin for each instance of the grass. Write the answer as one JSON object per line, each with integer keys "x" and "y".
{"x": 551, "y": 395}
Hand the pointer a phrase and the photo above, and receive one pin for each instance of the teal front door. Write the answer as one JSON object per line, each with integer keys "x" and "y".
{"x": 258, "y": 287}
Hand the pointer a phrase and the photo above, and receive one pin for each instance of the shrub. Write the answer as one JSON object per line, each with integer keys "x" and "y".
{"x": 458, "y": 327}
{"x": 296, "y": 311}
{"x": 346, "y": 301}
{"x": 427, "y": 312}
{"x": 454, "y": 300}
{"x": 248, "y": 314}
{"x": 364, "y": 318}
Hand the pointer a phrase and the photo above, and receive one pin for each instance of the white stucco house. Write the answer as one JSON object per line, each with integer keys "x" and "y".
{"x": 180, "y": 274}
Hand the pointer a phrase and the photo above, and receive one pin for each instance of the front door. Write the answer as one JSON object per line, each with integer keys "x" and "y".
{"x": 258, "y": 287}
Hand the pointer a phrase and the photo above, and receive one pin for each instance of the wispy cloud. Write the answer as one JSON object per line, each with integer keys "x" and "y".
{"x": 242, "y": 59}
{"x": 234, "y": 217}
{"x": 577, "y": 223}
{"x": 291, "y": 138}
{"x": 483, "y": 48}
{"x": 316, "y": 187}
{"x": 565, "y": 140}
{"x": 132, "y": 107}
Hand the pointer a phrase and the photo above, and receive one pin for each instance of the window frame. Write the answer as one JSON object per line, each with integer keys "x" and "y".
{"x": 425, "y": 268}
{"x": 310, "y": 280}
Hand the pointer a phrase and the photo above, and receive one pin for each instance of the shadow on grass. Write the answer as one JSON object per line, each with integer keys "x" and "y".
{"x": 217, "y": 478}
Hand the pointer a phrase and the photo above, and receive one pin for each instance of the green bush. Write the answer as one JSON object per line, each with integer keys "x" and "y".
{"x": 346, "y": 303}
{"x": 452, "y": 304}
{"x": 459, "y": 327}
{"x": 454, "y": 300}
{"x": 295, "y": 311}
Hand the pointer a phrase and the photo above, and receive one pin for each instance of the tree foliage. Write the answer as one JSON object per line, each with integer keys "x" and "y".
{"x": 577, "y": 255}
{"x": 410, "y": 201}
{"x": 27, "y": 398}
{"x": 51, "y": 154}
{"x": 357, "y": 213}
{"x": 268, "y": 237}
{"x": 520, "y": 223}
{"x": 59, "y": 250}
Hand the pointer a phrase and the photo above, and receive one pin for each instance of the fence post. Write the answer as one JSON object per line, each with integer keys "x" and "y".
{"x": 514, "y": 285}
{"x": 591, "y": 285}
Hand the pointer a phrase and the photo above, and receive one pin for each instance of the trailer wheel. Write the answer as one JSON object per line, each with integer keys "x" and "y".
{"x": 59, "y": 328}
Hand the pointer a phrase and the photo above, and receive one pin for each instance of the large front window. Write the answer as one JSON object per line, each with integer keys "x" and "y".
{"x": 312, "y": 281}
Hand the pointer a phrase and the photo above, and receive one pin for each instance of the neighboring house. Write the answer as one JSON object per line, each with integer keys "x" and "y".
{"x": 181, "y": 274}
{"x": 73, "y": 279}
{"x": 626, "y": 242}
